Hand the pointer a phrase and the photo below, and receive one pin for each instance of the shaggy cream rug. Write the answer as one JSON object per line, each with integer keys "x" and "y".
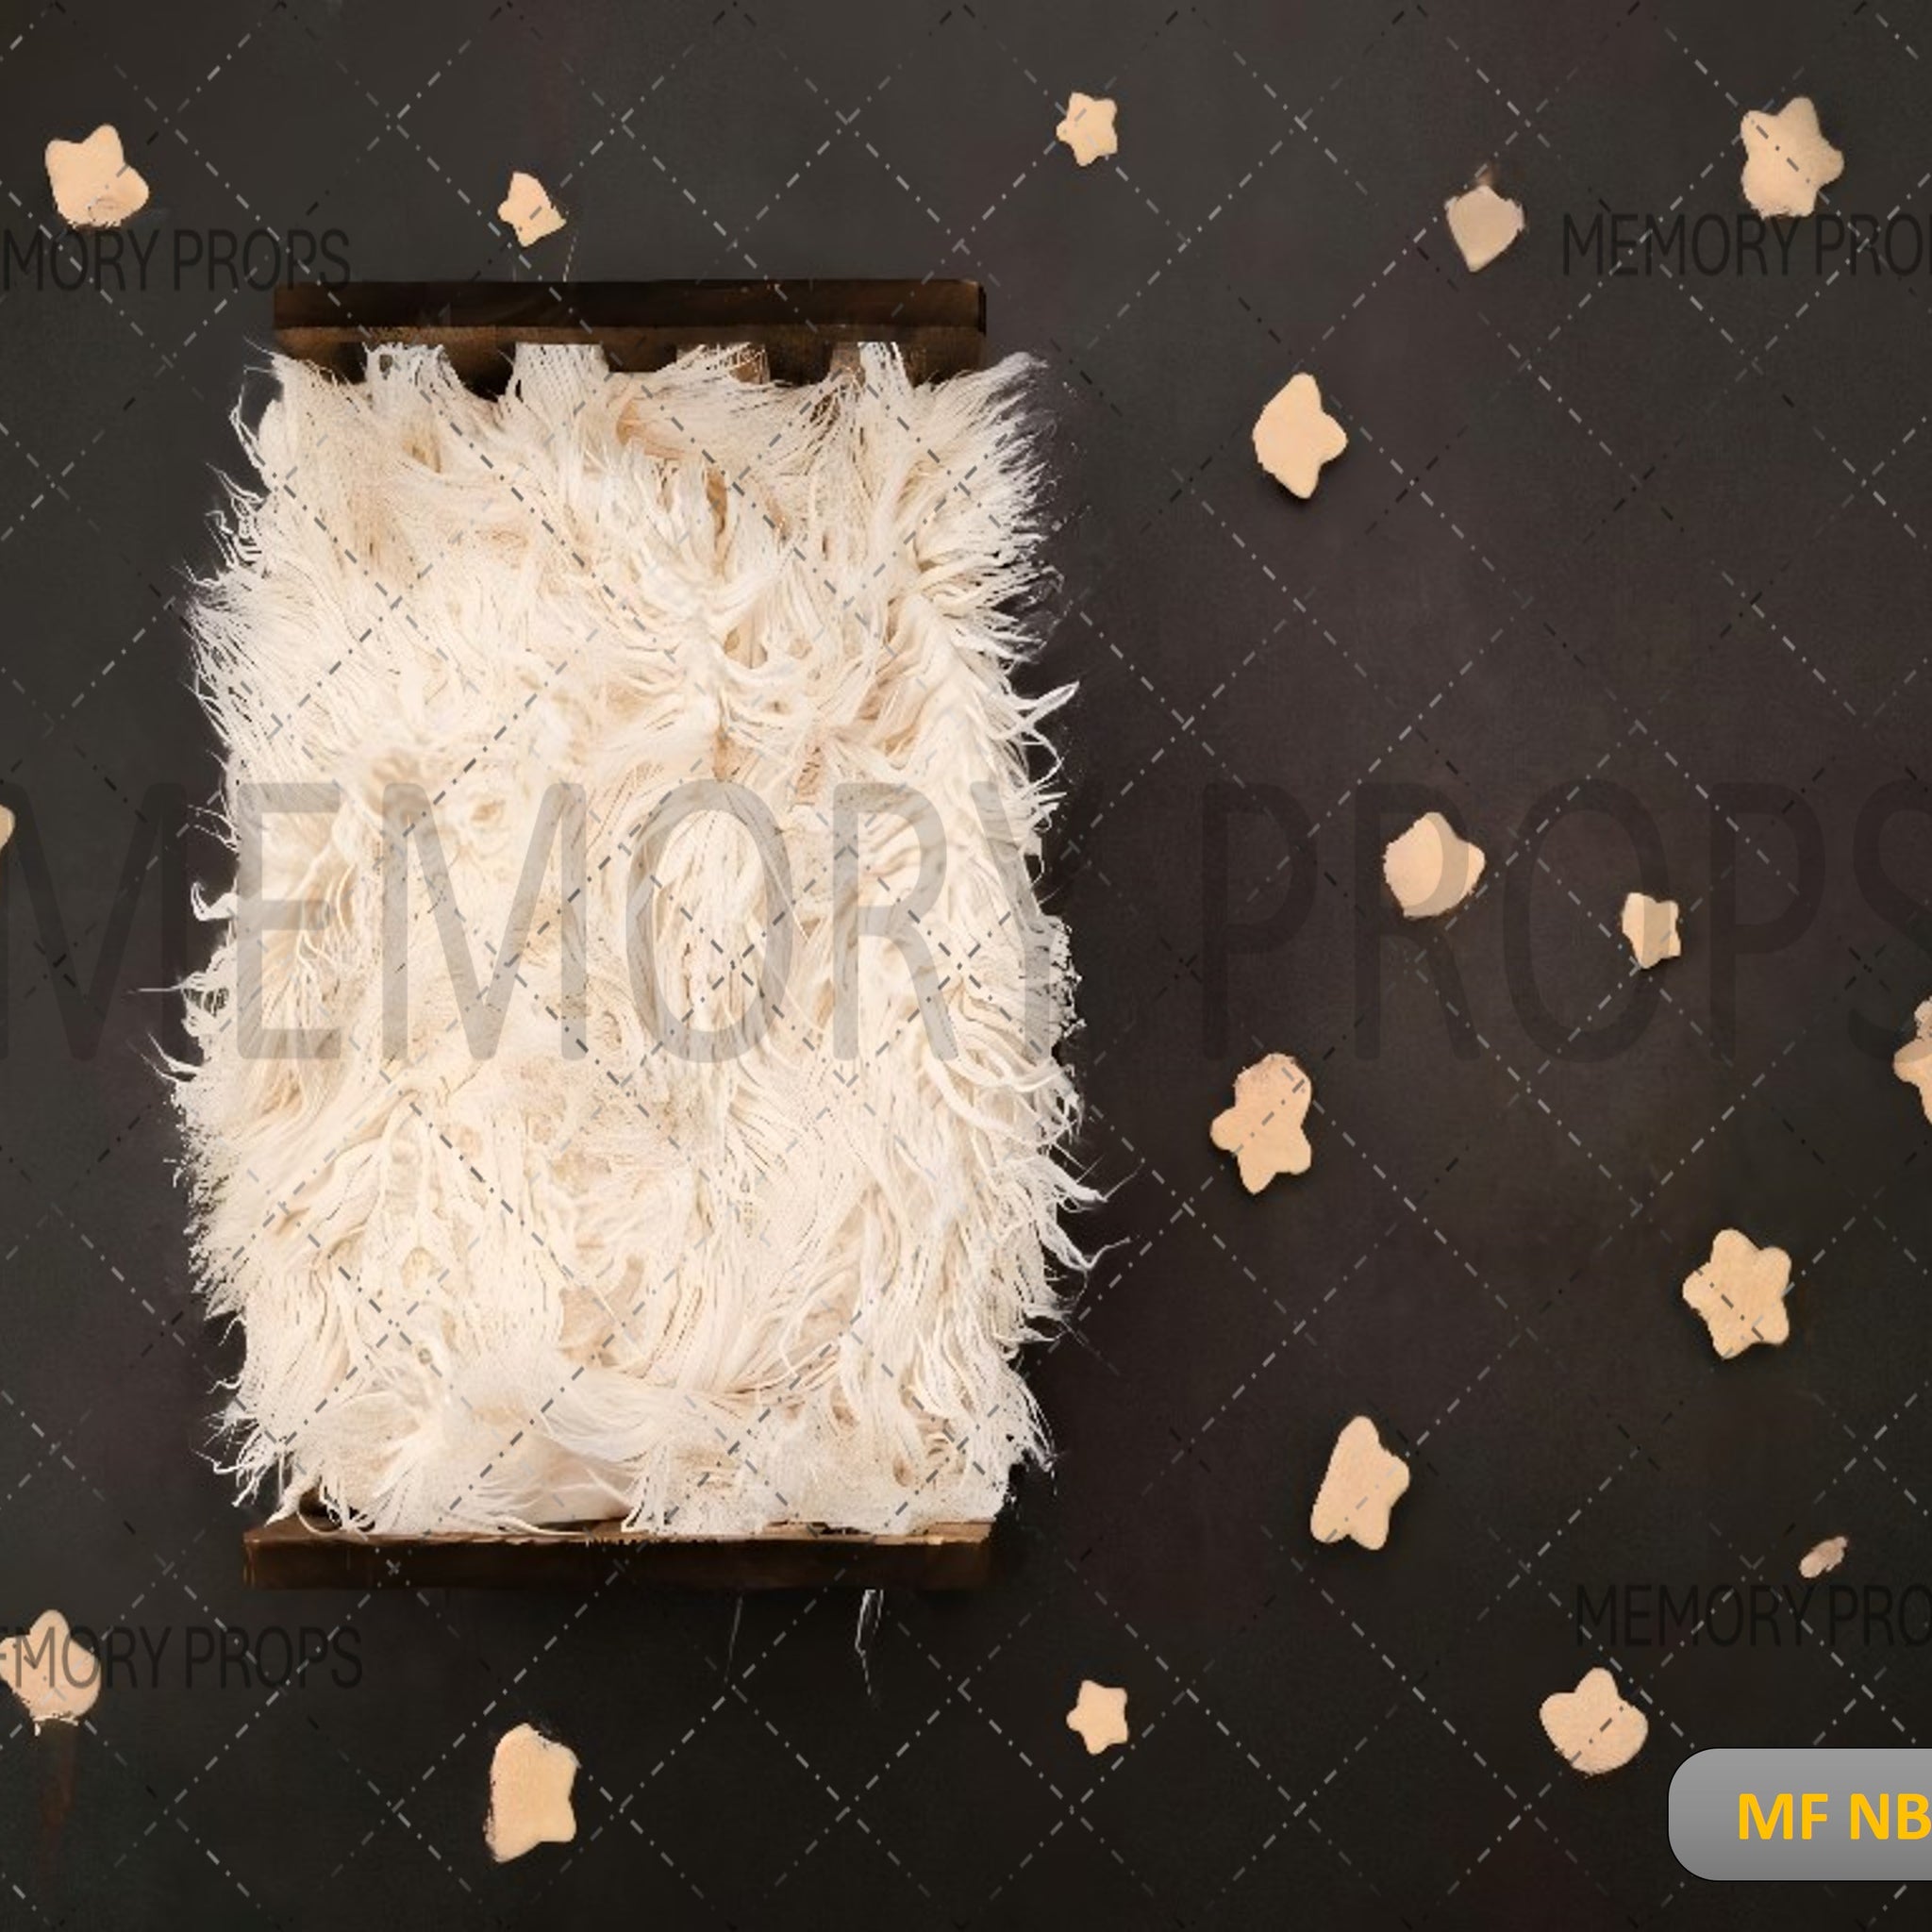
{"x": 655, "y": 1113}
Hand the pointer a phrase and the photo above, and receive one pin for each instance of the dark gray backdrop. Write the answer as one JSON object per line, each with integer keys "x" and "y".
{"x": 1663, "y": 530}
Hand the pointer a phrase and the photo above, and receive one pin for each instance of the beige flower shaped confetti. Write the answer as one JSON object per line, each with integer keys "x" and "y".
{"x": 53, "y": 1674}
{"x": 1263, "y": 1128}
{"x": 1363, "y": 1484}
{"x": 1822, "y": 1556}
{"x": 1429, "y": 868}
{"x": 1740, "y": 1293}
{"x": 1294, "y": 436}
{"x": 528, "y": 209}
{"x": 1912, "y": 1062}
{"x": 1088, "y": 128}
{"x": 1483, "y": 222}
{"x": 1651, "y": 927}
{"x": 94, "y": 186}
{"x": 1594, "y": 1727}
{"x": 1100, "y": 1716}
{"x": 530, "y": 1779}
{"x": 5, "y": 827}
{"x": 1786, "y": 159}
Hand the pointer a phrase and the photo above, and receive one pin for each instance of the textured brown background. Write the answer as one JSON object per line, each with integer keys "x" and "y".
{"x": 1660, "y": 530}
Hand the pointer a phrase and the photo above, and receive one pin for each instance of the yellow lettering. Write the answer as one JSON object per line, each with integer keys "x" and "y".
{"x": 1913, "y": 1821}
{"x": 1749, "y": 1810}
{"x": 1880, "y": 1819}
{"x": 1814, "y": 1813}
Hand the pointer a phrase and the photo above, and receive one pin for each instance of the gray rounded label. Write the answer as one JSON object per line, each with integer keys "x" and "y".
{"x": 1804, "y": 1814}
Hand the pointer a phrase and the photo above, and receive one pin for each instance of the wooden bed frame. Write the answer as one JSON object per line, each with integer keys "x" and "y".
{"x": 798, "y": 330}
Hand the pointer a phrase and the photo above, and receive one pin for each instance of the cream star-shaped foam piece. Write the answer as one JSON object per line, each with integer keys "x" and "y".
{"x": 1088, "y": 128}
{"x": 1294, "y": 436}
{"x": 1786, "y": 159}
{"x": 528, "y": 209}
{"x": 1263, "y": 1128}
{"x": 5, "y": 827}
{"x": 1483, "y": 223}
{"x": 530, "y": 1779}
{"x": 1740, "y": 1293}
{"x": 1100, "y": 1716}
{"x": 1430, "y": 869}
{"x": 1594, "y": 1726}
{"x": 1822, "y": 1556}
{"x": 1363, "y": 1484}
{"x": 54, "y": 1676}
{"x": 1912, "y": 1062}
{"x": 1651, "y": 927}
{"x": 94, "y": 186}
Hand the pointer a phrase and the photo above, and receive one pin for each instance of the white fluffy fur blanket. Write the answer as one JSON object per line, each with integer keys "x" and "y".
{"x": 605, "y": 1264}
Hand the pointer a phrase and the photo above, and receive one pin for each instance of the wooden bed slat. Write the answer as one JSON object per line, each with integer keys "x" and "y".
{"x": 306, "y": 1552}
{"x": 939, "y": 326}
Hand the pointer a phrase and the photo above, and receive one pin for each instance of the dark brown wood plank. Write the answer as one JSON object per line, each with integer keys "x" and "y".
{"x": 306, "y": 1552}
{"x": 939, "y": 325}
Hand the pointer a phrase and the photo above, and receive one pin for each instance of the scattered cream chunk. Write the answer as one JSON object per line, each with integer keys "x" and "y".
{"x": 1100, "y": 1716}
{"x": 1088, "y": 128}
{"x": 1294, "y": 436}
{"x": 1594, "y": 1726}
{"x": 1822, "y": 1556}
{"x": 1483, "y": 223}
{"x": 1263, "y": 1128}
{"x": 53, "y": 1673}
{"x": 530, "y": 1779}
{"x": 94, "y": 186}
{"x": 528, "y": 209}
{"x": 1429, "y": 868}
{"x": 1912, "y": 1062}
{"x": 1651, "y": 926}
{"x": 1740, "y": 1293}
{"x": 1787, "y": 159}
{"x": 1362, "y": 1486}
